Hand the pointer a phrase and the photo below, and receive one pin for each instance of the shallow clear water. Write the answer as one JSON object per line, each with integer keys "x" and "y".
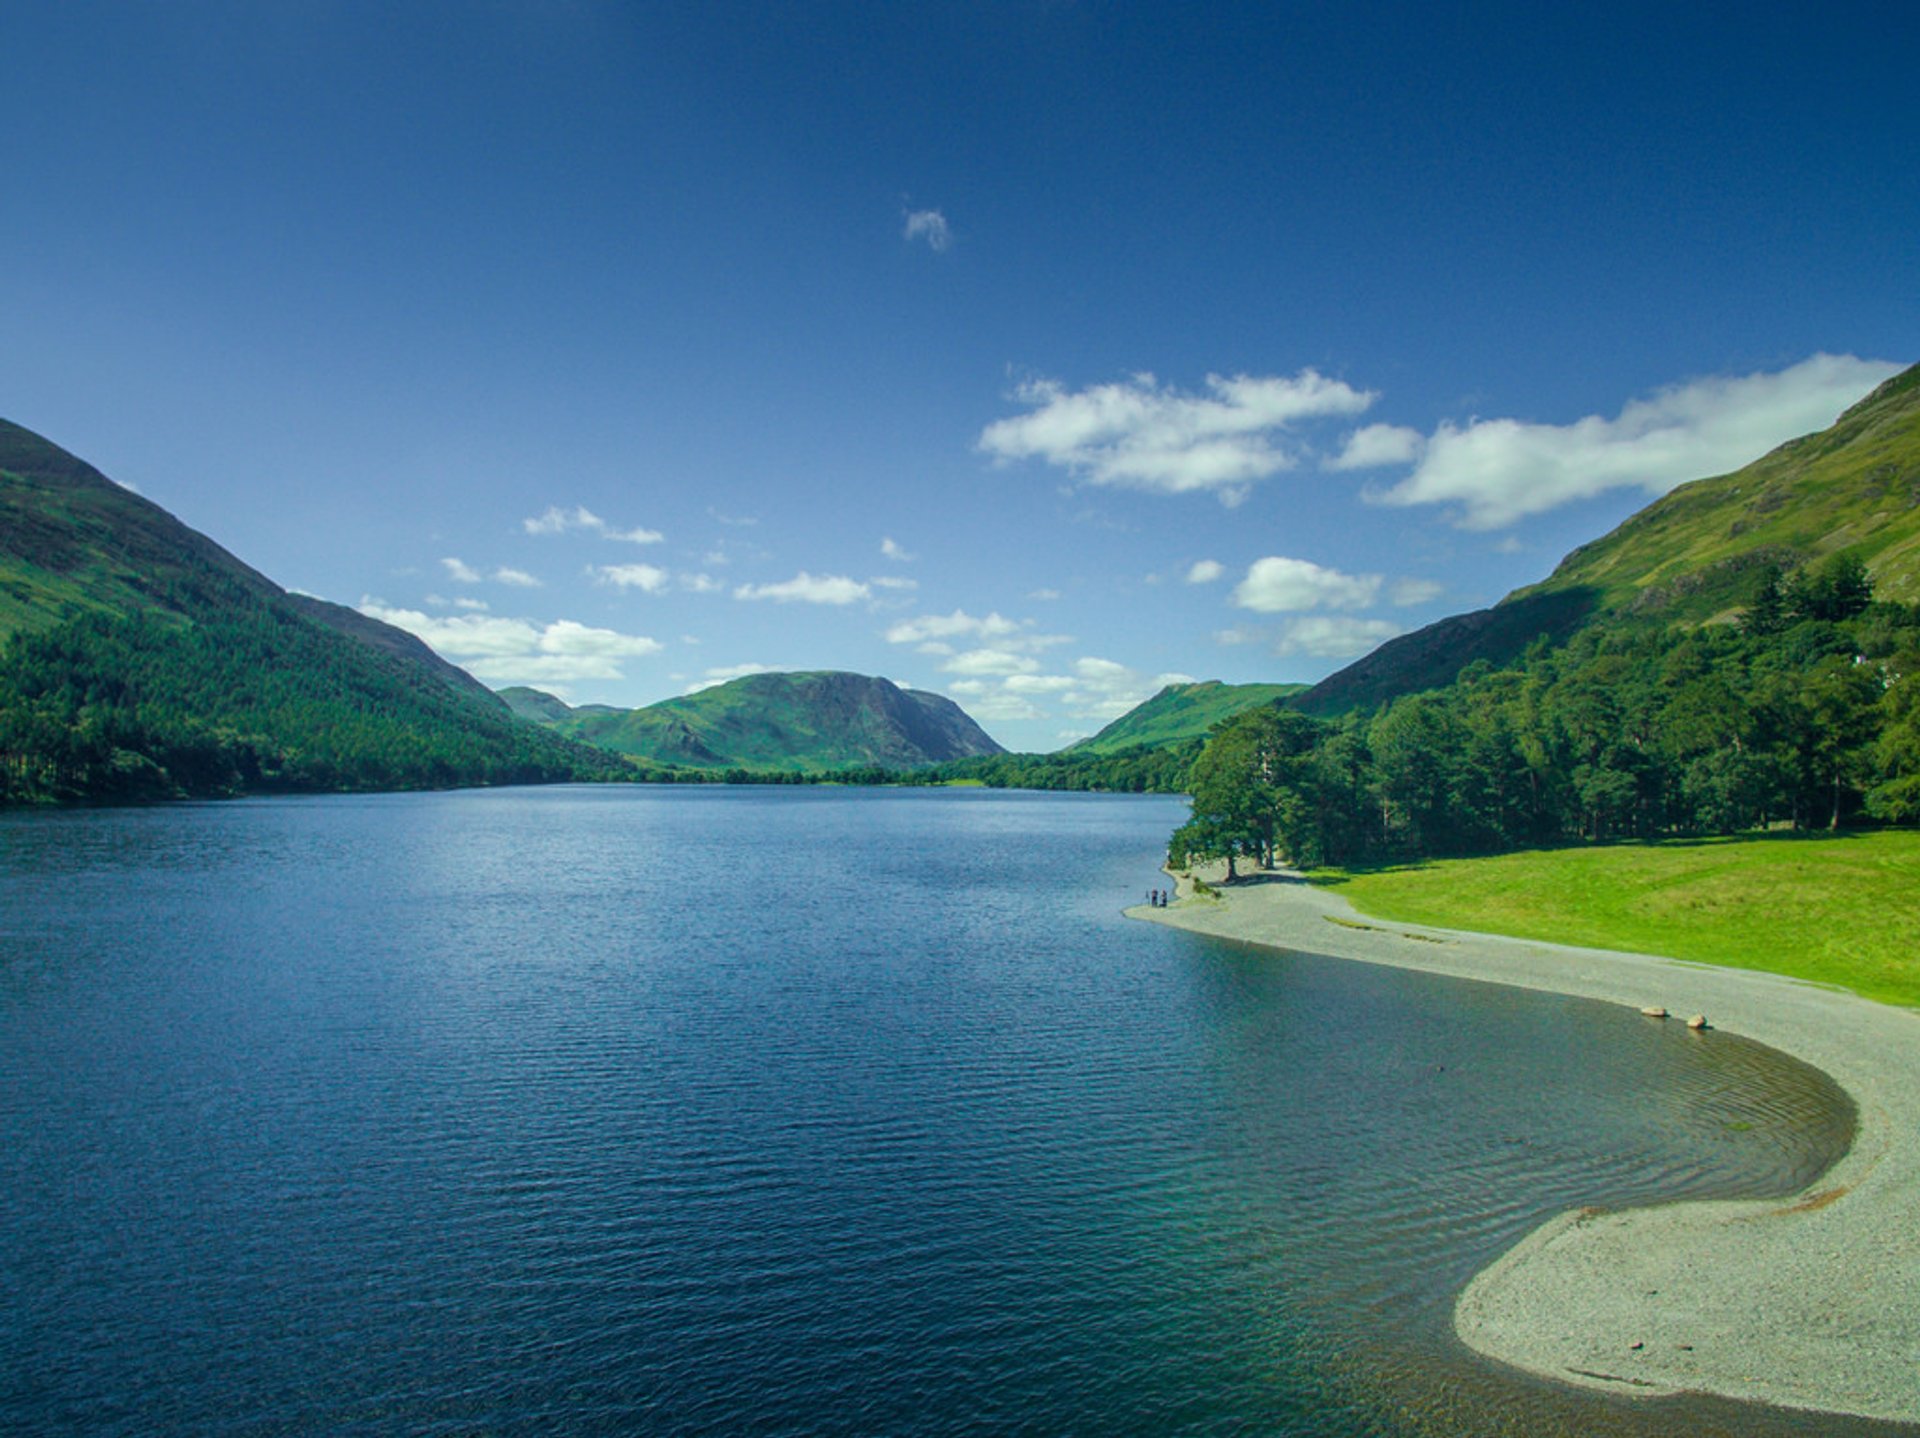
{"x": 780, "y": 1111}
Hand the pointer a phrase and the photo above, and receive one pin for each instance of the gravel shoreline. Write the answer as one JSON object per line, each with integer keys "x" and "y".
{"x": 1811, "y": 1301}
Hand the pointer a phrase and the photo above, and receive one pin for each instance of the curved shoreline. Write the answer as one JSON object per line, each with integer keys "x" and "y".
{"x": 1811, "y": 1301}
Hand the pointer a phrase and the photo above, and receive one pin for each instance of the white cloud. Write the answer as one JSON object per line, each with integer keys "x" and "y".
{"x": 464, "y": 603}
{"x": 928, "y": 225}
{"x": 543, "y": 670}
{"x": 1206, "y": 571}
{"x": 1334, "y": 637}
{"x": 519, "y": 578}
{"x": 565, "y": 636}
{"x": 1379, "y": 444}
{"x": 893, "y": 581}
{"x": 647, "y": 578}
{"x": 1102, "y": 671}
{"x": 1138, "y": 434}
{"x": 950, "y": 626}
{"x": 990, "y": 661}
{"x": 894, "y": 552}
{"x": 558, "y": 521}
{"x": 805, "y": 588}
{"x": 518, "y": 651}
{"x": 1405, "y": 592}
{"x": 1044, "y": 594}
{"x": 1277, "y": 585}
{"x": 1498, "y": 471}
{"x": 461, "y": 572}
{"x": 1039, "y": 684}
{"x": 699, "y": 583}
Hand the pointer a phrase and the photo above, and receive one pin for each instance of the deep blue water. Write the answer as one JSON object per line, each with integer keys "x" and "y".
{"x": 780, "y": 1111}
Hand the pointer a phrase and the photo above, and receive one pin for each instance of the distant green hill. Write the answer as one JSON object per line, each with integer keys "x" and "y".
{"x": 1696, "y": 555}
{"x": 786, "y": 723}
{"x": 139, "y": 659}
{"x": 535, "y": 704}
{"x": 1180, "y": 711}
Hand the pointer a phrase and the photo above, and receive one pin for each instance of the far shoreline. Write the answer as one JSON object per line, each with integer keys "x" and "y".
{"x": 1810, "y": 1301}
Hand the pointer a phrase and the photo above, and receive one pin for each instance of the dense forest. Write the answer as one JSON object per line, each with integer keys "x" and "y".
{"x": 251, "y": 698}
{"x": 1806, "y": 713}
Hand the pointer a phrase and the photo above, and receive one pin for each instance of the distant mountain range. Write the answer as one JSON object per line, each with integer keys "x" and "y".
{"x": 1696, "y": 555}
{"x": 139, "y": 659}
{"x": 794, "y": 723}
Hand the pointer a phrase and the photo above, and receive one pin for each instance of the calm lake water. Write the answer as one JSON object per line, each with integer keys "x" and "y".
{"x": 780, "y": 1111}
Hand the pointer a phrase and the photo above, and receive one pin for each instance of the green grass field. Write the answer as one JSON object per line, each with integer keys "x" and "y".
{"x": 1843, "y": 910}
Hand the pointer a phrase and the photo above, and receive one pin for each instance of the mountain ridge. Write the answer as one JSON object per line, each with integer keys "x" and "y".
{"x": 801, "y": 721}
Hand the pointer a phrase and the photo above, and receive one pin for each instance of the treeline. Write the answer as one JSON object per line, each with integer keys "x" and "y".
{"x": 252, "y": 698}
{"x": 1141, "y": 770}
{"x": 1805, "y": 714}
{"x": 1144, "y": 769}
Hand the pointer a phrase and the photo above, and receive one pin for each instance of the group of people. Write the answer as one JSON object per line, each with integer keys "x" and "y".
{"x": 1157, "y": 898}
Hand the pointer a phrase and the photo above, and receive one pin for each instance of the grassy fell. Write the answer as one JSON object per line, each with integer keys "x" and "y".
{"x": 1831, "y": 910}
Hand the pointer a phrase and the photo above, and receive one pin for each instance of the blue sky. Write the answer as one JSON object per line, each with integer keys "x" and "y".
{"x": 1027, "y": 352}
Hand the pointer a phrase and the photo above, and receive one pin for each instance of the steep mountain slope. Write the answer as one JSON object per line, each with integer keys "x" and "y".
{"x": 791, "y": 723}
{"x": 140, "y": 659}
{"x": 1180, "y": 711}
{"x": 1696, "y": 555}
{"x": 535, "y": 704}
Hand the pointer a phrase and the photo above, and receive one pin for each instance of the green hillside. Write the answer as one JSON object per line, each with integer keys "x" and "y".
{"x": 535, "y": 704}
{"x": 139, "y": 659}
{"x": 1696, "y": 555}
{"x": 1854, "y": 487}
{"x": 785, "y": 723}
{"x": 1180, "y": 711}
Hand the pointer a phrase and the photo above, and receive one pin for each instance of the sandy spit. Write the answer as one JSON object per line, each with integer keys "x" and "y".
{"x": 1807, "y": 1302}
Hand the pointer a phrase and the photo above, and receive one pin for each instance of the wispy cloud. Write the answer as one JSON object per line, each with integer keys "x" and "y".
{"x": 997, "y": 685}
{"x": 1326, "y": 636}
{"x": 930, "y": 226}
{"x": 894, "y": 552}
{"x": 558, "y": 521}
{"x": 990, "y": 661}
{"x": 958, "y": 624}
{"x": 1377, "y": 445}
{"x": 503, "y": 650}
{"x": 460, "y": 572}
{"x": 519, "y": 578}
{"x": 726, "y": 672}
{"x": 1139, "y": 434}
{"x": 647, "y": 578}
{"x": 1407, "y": 592}
{"x": 805, "y": 588}
{"x": 1498, "y": 471}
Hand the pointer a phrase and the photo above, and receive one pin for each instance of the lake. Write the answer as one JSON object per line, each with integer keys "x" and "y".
{"x": 781, "y": 1111}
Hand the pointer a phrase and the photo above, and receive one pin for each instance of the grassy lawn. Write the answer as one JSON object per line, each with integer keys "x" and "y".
{"x": 1842, "y": 910}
